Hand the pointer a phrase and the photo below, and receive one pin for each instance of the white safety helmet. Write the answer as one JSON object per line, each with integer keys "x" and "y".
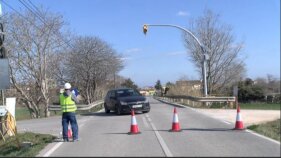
{"x": 67, "y": 86}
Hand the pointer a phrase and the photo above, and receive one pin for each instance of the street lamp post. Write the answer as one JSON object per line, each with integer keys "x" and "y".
{"x": 203, "y": 48}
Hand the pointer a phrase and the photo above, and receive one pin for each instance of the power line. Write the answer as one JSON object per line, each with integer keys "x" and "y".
{"x": 36, "y": 8}
{"x": 38, "y": 14}
{"x": 32, "y": 23}
{"x": 32, "y": 11}
{"x": 12, "y": 8}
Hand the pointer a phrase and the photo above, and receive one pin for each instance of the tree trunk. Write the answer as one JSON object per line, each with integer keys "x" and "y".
{"x": 47, "y": 112}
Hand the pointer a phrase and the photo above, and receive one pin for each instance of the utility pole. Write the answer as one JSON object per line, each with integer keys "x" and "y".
{"x": 2, "y": 36}
{"x": 2, "y": 55}
{"x": 4, "y": 68}
{"x": 114, "y": 80}
{"x": 203, "y": 49}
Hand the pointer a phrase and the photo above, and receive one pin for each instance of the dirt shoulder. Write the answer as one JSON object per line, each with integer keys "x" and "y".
{"x": 249, "y": 117}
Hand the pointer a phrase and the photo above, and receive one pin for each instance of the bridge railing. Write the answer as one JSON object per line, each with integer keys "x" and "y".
{"x": 79, "y": 106}
{"x": 199, "y": 101}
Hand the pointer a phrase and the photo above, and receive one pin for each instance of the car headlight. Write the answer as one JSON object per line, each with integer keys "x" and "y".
{"x": 123, "y": 103}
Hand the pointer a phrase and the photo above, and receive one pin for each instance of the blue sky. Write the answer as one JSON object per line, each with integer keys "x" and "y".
{"x": 161, "y": 53}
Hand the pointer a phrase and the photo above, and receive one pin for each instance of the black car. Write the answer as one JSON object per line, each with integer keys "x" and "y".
{"x": 122, "y": 100}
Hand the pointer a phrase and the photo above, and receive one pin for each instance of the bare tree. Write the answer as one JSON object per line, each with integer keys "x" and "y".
{"x": 90, "y": 64}
{"x": 128, "y": 83}
{"x": 224, "y": 66}
{"x": 31, "y": 45}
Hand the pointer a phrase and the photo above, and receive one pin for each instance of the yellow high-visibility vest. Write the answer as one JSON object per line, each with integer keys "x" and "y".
{"x": 67, "y": 104}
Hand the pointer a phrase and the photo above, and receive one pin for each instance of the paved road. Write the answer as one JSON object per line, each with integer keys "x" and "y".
{"x": 106, "y": 135}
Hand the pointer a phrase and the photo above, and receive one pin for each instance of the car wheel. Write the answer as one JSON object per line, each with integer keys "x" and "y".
{"x": 106, "y": 109}
{"x": 118, "y": 110}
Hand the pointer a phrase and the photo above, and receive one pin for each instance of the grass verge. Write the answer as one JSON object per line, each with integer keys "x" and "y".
{"x": 260, "y": 106}
{"x": 9, "y": 148}
{"x": 253, "y": 106}
{"x": 269, "y": 129}
{"x": 22, "y": 113}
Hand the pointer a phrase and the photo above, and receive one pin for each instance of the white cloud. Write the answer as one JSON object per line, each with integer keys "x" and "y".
{"x": 133, "y": 50}
{"x": 182, "y": 13}
{"x": 176, "y": 53}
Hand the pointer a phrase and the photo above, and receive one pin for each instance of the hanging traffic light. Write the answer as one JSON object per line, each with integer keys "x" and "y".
{"x": 145, "y": 29}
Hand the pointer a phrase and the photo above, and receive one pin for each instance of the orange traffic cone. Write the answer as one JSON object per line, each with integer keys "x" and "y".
{"x": 69, "y": 133}
{"x": 134, "y": 125}
{"x": 176, "y": 124}
{"x": 239, "y": 123}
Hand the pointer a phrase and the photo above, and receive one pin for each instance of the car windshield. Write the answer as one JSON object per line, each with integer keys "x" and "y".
{"x": 127, "y": 93}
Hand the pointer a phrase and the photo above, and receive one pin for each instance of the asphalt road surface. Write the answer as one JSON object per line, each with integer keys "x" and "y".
{"x": 104, "y": 134}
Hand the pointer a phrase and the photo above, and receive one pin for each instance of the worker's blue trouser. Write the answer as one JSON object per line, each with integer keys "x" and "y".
{"x": 69, "y": 117}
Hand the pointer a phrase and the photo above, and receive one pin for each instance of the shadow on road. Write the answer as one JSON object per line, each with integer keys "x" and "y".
{"x": 215, "y": 129}
{"x": 206, "y": 130}
{"x": 98, "y": 114}
{"x": 107, "y": 114}
{"x": 117, "y": 133}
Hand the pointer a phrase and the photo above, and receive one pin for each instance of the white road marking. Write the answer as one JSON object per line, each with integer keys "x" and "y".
{"x": 160, "y": 139}
{"x": 272, "y": 140}
{"x": 249, "y": 131}
{"x": 147, "y": 116}
{"x": 215, "y": 118}
{"x": 203, "y": 113}
{"x": 226, "y": 122}
{"x": 145, "y": 122}
{"x": 47, "y": 154}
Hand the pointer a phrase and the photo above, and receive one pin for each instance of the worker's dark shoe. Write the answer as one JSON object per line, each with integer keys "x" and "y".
{"x": 65, "y": 140}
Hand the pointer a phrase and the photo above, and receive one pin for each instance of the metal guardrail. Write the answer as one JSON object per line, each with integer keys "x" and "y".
{"x": 203, "y": 99}
{"x": 79, "y": 106}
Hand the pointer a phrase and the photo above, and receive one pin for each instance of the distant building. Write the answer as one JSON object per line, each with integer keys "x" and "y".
{"x": 191, "y": 84}
{"x": 147, "y": 91}
{"x": 143, "y": 92}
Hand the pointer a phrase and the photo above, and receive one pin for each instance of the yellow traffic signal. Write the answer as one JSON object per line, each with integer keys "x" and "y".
{"x": 145, "y": 29}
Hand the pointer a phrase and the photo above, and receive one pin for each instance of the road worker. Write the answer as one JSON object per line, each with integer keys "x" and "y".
{"x": 68, "y": 103}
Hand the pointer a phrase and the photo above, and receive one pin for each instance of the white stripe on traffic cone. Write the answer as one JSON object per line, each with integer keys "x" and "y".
{"x": 134, "y": 126}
